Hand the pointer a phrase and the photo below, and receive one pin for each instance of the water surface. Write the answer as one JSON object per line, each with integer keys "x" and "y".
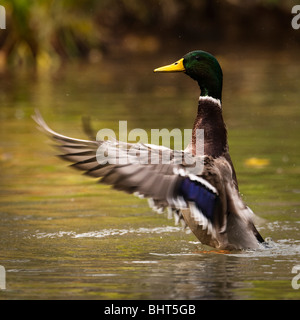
{"x": 62, "y": 235}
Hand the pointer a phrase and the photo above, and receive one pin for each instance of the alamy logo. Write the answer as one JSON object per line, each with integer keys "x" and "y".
{"x": 2, "y": 278}
{"x": 296, "y": 279}
{"x": 296, "y": 20}
{"x": 2, "y": 18}
{"x": 120, "y": 152}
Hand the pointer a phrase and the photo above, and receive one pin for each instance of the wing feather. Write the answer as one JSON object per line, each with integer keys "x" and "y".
{"x": 168, "y": 185}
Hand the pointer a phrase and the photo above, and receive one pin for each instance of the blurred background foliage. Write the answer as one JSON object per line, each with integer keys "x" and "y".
{"x": 46, "y": 33}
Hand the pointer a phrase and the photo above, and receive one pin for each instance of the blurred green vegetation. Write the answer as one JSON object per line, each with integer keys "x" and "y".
{"x": 44, "y": 33}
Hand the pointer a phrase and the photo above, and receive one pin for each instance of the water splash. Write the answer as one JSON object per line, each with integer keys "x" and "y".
{"x": 107, "y": 232}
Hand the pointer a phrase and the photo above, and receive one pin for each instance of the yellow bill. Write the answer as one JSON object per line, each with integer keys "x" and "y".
{"x": 174, "y": 67}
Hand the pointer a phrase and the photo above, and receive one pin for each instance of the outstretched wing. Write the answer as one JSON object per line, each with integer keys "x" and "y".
{"x": 167, "y": 184}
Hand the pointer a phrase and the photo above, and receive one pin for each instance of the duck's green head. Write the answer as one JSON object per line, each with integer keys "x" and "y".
{"x": 202, "y": 67}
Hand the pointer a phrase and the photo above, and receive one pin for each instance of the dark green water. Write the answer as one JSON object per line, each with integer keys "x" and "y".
{"x": 62, "y": 235}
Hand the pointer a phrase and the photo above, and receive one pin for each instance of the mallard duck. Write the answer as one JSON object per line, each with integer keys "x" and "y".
{"x": 208, "y": 201}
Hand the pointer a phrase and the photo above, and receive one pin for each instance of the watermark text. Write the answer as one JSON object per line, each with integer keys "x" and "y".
{"x": 296, "y": 279}
{"x": 2, "y": 18}
{"x": 296, "y": 19}
{"x": 2, "y": 278}
{"x": 136, "y": 147}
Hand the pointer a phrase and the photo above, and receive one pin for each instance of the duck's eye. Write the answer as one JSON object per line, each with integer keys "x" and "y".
{"x": 198, "y": 58}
